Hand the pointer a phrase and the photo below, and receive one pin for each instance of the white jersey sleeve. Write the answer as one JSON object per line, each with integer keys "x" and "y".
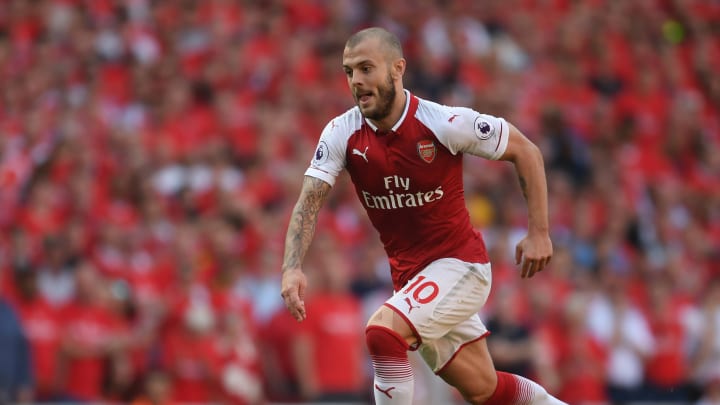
{"x": 464, "y": 130}
{"x": 329, "y": 158}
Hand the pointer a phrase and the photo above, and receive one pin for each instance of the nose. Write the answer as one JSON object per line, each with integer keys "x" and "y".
{"x": 356, "y": 80}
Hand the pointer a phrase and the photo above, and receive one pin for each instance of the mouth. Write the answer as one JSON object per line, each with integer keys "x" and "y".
{"x": 364, "y": 97}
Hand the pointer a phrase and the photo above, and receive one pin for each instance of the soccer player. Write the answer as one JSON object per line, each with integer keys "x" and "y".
{"x": 404, "y": 156}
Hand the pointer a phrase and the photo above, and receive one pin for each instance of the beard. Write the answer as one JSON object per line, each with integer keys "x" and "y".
{"x": 385, "y": 99}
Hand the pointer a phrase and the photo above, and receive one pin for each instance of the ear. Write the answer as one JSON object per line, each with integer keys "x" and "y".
{"x": 398, "y": 68}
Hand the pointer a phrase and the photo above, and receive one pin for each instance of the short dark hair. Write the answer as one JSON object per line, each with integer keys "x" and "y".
{"x": 388, "y": 40}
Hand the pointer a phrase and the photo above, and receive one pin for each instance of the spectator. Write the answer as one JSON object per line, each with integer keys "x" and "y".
{"x": 706, "y": 350}
{"x": 92, "y": 335}
{"x": 567, "y": 151}
{"x": 615, "y": 321}
{"x": 42, "y": 324}
{"x": 511, "y": 339}
{"x": 156, "y": 390}
{"x": 668, "y": 368}
{"x": 191, "y": 358}
{"x": 711, "y": 394}
{"x": 281, "y": 378}
{"x": 581, "y": 358}
{"x": 55, "y": 279}
{"x": 241, "y": 376}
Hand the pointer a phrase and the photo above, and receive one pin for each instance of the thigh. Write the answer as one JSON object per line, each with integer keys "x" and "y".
{"x": 438, "y": 353}
{"x": 471, "y": 371}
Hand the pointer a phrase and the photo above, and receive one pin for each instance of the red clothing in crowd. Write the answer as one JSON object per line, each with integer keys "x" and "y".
{"x": 668, "y": 366}
{"x": 276, "y": 338}
{"x": 578, "y": 358}
{"x": 335, "y": 330}
{"x": 89, "y": 329}
{"x": 43, "y": 327}
{"x": 581, "y": 367}
{"x": 194, "y": 364}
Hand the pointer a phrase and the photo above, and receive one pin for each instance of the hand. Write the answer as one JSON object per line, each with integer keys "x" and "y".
{"x": 535, "y": 252}
{"x": 293, "y": 292}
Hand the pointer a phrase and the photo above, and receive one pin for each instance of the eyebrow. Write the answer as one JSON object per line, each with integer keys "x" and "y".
{"x": 362, "y": 62}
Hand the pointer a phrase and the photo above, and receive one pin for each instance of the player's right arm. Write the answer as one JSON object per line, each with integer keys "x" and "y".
{"x": 297, "y": 241}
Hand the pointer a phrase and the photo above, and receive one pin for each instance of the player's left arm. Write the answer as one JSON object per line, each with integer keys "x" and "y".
{"x": 535, "y": 250}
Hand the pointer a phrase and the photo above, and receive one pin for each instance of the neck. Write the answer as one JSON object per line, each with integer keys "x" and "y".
{"x": 397, "y": 110}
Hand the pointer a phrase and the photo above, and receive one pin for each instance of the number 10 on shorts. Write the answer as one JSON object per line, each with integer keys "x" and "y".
{"x": 423, "y": 291}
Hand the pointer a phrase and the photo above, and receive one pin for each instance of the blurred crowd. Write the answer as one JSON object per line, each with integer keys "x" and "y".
{"x": 151, "y": 152}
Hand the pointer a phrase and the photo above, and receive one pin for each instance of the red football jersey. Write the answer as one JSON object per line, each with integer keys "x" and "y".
{"x": 410, "y": 180}
{"x": 42, "y": 325}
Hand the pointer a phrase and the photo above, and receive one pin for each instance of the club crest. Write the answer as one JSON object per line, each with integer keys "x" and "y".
{"x": 426, "y": 149}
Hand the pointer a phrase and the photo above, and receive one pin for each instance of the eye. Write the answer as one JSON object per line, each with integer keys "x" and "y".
{"x": 348, "y": 72}
{"x": 366, "y": 69}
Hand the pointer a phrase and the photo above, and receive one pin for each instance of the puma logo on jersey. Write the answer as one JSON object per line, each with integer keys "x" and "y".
{"x": 410, "y": 305}
{"x": 386, "y": 392}
{"x": 361, "y": 154}
{"x": 451, "y": 119}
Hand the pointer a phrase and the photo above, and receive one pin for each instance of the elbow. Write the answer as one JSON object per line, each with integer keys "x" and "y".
{"x": 520, "y": 149}
{"x": 535, "y": 152}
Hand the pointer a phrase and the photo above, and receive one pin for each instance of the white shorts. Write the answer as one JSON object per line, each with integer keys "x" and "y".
{"x": 441, "y": 305}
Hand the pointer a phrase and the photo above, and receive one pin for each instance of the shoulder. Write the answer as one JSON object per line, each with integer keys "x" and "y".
{"x": 444, "y": 120}
{"x": 439, "y": 117}
{"x": 344, "y": 124}
{"x": 335, "y": 136}
{"x": 430, "y": 112}
{"x": 462, "y": 129}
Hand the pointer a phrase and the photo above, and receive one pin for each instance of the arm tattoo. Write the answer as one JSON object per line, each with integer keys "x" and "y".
{"x": 303, "y": 220}
{"x": 523, "y": 187}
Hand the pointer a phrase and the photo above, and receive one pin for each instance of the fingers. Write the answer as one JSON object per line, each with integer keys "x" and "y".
{"x": 301, "y": 303}
{"x": 534, "y": 252}
{"x": 294, "y": 301}
{"x": 532, "y": 266}
{"x": 527, "y": 268}
{"x": 293, "y": 293}
{"x": 295, "y": 305}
